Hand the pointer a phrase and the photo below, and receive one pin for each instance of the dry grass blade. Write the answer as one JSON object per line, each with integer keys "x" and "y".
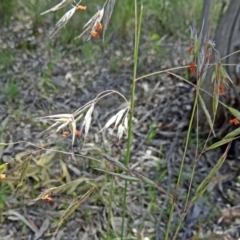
{"x": 95, "y": 19}
{"x": 49, "y": 128}
{"x": 65, "y": 173}
{"x": 74, "y": 206}
{"x": 149, "y": 181}
{"x": 71, "y": 186}
{"x": 119, "y": 117}
{"x": 125, "y": 177}
{"x": 115, "y": 119}
{"x": 44, "y": 160}
{"x": 92, "y": 24}
{"x": 215, "y": 98}
{"x": 62, "y": 4}
{"x": 91, "y": 21}
{"x": 125, "y": 123}
{"x": 42, "y": 195}
{"x": 62, "y": 121}
{"x": 120, "y": 132}
{"x": 68, "y": 187}
{"x": 115, "y": 162}
{"x": 19, "y": 216}
{"x": 87, "y": 29}
{"x": 63, "y": 21}
{"x": 78, "y": 116}
{"x": 59, "y": 119}
{"x": 87, "y": 121}
{"x": 73, "y": 125}
{"x": 204, "y": 184}
{"x": 71, "y": 122}
{"x": 57, "y": 116}
{"x": 23, "y": 171}
{"x": 138, "y": 175}
{"x": 63, "y": 125}
{"x": 108, "y": 13}
{"x": 225, "y": 74}
{"x": 109, "y": 122}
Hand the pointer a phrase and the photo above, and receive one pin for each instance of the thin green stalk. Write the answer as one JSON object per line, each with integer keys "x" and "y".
{"x": 194, "y": 165}
{"x": 169, "y": 221}
{"x": 162, "y": 71}
{"x": 110, "y": 209}
{"x": 182, "y": 164}
{"x": 129, "y": 139}
{"x": 184, "y": 154}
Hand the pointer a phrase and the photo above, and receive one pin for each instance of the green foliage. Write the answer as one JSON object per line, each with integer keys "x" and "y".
{"x": 4, "y": 193}
{"x": 11, "y": 90}
{"x": 46, "y": 85}
{"x": 171, "y": 17}
{"x": 6, "y": 9}
{"x": 34, "y": 8}
{"x": 123, "y": 18}
{"x": 113, "y": 63}
{"x": 152, "y": 133}
{"x": 88, "y": 53}
{"x": 5, "y": 59}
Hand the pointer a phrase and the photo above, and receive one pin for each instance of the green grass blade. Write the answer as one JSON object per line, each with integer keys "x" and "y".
{"x": 149, "y": 181}
{"x": 68, "y": 188}
{"x": 234, "y": 112}
{"x": 23, "y": 171}
{"x": 125, "y": 177}
{"x": 220, "y": 143}
{"x": 74, "y": 206}
{"x": 71, "y": 186}
{"x": 136, "y": 174}
{"x": 3, "y": 144}
{"x": 215, "y": 99}
{"x": 204, "y": 184}
{"x": 3, "y": 167}
{"x": 42, "y": 195}
{"x": 115, "y": 162}
{"x": 233, "y": 134}
{"x": 206, "y": 113}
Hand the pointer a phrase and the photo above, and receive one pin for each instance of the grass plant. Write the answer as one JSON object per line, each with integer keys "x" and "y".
{"x": 34, "y": 168}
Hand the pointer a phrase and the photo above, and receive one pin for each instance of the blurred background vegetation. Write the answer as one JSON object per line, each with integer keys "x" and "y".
{"x": 171, "y": 17}
{"x": 163, "y": 19}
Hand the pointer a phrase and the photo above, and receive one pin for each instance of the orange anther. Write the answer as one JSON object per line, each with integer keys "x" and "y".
{"x": 81, "y": 8}
{"x": 95, "y": 34}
